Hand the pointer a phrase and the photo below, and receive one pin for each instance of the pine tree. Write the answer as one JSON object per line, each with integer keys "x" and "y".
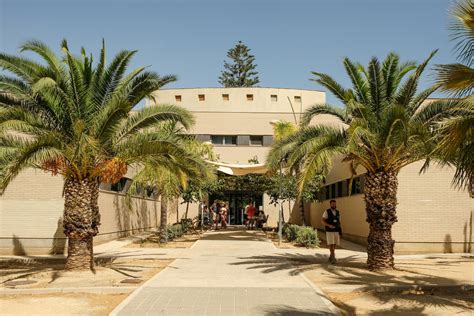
{"x": 241, "y": 71}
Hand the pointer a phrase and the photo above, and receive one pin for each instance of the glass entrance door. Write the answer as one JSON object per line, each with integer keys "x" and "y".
{"x": 237, "y": 202}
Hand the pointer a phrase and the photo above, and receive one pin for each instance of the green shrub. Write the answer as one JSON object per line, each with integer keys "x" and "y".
{"x": 186, "y": 224}
{"x": 291, "y": 232}
{"x": 171, "y": 232}
{"x": 307, "y": 237}
{"x": 178, "y": 230}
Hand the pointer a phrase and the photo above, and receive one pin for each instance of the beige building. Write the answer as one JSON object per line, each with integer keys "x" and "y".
{"x": 237, "y": 121}
{"x": 432, "y": 216}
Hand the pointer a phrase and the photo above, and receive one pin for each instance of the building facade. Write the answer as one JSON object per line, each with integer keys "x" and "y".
{"x": 432, "y": 215}
{"x": 237, "y": 121}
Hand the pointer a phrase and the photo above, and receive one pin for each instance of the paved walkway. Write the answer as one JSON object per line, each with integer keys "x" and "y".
{"x": 223, "y": 274}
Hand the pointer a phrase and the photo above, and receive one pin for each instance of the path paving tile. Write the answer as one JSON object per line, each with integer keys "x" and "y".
{"x": 225, "y": 273}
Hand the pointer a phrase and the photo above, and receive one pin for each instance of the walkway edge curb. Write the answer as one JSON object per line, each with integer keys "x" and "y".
{"x": 132, "y": 295}
{"x": 326, "y": 301}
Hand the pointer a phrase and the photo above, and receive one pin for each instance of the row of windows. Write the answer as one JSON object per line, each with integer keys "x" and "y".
{"x": 225, "y": 97}
{"x": 230, "y": 140}
{"x": 341, "y": 188}
{"x": 123, "y": 186}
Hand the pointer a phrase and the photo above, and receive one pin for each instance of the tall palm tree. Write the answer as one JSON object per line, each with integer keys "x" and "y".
{"x": 72, "y": 118}
{"x": 381, "y": 130}
{"x": 455, "y": 118}
{"x": 188, "y": 164}
{"x": 459, "y": 78}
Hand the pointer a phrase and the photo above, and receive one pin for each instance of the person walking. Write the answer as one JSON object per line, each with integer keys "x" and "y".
{"x": 332, "y": 221}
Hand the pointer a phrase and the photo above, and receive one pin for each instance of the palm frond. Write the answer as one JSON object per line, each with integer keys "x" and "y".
{"x": 319, "y": 109}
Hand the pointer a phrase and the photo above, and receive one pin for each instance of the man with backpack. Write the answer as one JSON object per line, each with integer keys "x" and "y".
{"x": 332, "y": 222}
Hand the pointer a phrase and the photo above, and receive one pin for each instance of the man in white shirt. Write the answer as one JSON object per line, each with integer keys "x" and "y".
{"x": 332, "y": 222}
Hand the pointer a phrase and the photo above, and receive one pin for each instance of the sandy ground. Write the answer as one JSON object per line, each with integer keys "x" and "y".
{"x": 185, "y": 241}
{"x": 59, "y": 304}
{"x": 355, "y": 290}
{"x": 431, "y": 303}
{"x": 106, "y": 274}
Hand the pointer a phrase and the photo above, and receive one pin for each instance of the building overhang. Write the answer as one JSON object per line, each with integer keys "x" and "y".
{"x": 239, "y": 170}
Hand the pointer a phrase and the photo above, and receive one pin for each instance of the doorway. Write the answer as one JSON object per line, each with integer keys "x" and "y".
{"x": 237, "y": 202}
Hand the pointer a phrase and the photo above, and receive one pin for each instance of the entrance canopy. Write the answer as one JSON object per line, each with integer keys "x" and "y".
{"x": 239, "y": 170}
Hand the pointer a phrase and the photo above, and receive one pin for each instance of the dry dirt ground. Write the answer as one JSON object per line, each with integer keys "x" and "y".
{"x": 357, "y": 291}
{"x": 106, "y": 274}
{"x": 59, "y": 304}
{"x": 49, "y": 274}
{"x": 436, "y": 302}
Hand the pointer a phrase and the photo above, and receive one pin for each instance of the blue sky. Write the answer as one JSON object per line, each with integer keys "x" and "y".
{"x": 190, "y": 38}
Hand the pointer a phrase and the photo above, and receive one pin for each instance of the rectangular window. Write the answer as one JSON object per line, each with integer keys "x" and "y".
{"x": 119, "y": 186}
{"x": 249, "y": 97}
{"x": 339, "y": 189}
{"x": 177, "y": 98}
{"x": 333, "y": 191}
{"x": 223, "y": 140}
{"x": 297, "y": 98}
{"x": 328, "y": 192}
{"x": 225, "y": 97}
{"x": 256, "y": 140}
{"x": 274, "y": 98}
{"x": 230, "y": 140}
{"x": 201, "y": 97}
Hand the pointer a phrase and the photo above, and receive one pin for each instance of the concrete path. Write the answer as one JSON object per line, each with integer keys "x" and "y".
{"x": 223, "y": 274}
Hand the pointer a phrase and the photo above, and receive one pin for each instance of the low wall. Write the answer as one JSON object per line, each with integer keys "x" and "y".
{"x": 31, "y": 211}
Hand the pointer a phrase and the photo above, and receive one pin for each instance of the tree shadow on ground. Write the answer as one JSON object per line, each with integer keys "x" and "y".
{"x": 235, "y": 235}
{"x": 284, "y": 310}
{"x": 29, "y": 267}
{"x": 351, "y": 272}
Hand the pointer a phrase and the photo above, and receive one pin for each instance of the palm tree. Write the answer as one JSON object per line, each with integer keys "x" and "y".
{"x": 171, "y": 179}
{"x": 281, "y": 130}
{"x": 72, "y": 118}
{"x": 381, "y": 130}
{"x": 459, "y": 78}
{"x": 455, "y": 118}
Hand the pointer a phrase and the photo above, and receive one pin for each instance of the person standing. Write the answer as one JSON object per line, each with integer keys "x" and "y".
{"x": 223, "y": 212}
{"x": 250, "y": 211}
{"x": 332, "y": 221}
{"x": 215, "y": 208}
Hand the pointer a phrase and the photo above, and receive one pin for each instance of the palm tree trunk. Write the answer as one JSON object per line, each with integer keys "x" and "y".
{"x": 380, "y": 192}
{"x": 164, "y": 219}
{"x": 302, "y": 217}
{"x": 81, "y": 222}
{"x": 177, "y": 210}
{"x": 187, "y": 208}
